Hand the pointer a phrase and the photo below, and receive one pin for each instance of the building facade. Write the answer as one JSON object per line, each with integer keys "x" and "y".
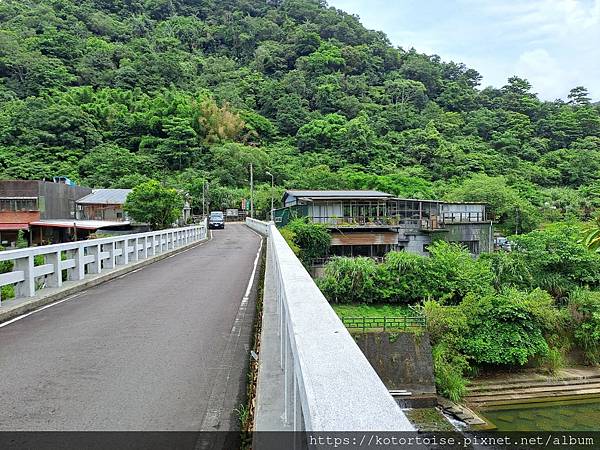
{"x": 373, "y": 223}
{"x": 103, "y": 204}
{"x": 23, "y": 202}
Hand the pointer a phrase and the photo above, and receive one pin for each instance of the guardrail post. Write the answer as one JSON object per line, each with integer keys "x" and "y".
{"x": 25, "y": 288}
{"x": 55, "y": 278}
{"x": 96, "y": 265}
{"x": 122, "y": 259}
{"x": 109, "y": 263}
{"x": 136, "y": 251}
{"x": 78, "y": 272}
{"x": 152, "y": 245}
{"x": 145, "y": 252}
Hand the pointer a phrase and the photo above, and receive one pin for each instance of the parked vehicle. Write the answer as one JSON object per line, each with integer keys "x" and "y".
{"x": 502, "y": 243}
{"x": 216, "y": 219}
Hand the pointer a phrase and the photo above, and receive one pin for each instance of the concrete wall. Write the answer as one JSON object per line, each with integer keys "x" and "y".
{"x": 470, "y": 232}
{"x": 56, "y": 200}
{"x": 60, "y": 199}
{"x": 416, "y": 242}
{"x": 402, "y": 360}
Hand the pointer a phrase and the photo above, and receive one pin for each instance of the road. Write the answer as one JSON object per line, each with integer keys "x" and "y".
{"x": 152, "y": 350}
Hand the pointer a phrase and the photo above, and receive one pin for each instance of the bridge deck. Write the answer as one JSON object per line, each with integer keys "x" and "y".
{"x": 153, "y": 350}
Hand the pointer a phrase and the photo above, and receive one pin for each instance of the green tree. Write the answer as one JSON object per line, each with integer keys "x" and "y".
{"x": 154, "y": 204}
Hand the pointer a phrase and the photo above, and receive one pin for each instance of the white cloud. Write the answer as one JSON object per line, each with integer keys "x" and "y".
{"x": 555, "y": 44}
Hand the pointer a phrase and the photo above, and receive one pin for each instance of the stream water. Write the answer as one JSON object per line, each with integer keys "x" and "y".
{"x": 573, "y": 415}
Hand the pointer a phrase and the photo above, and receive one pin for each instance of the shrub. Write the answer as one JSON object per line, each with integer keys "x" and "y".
{"x": 507, "y": 328}
{"x": 449, "y": 368}
{"x": 452, "y": 273}
{"x": 6, "y": 266}
{"x": 509, "y": 269}
{"x": 584, "y": 306}
{"x": 445, "y": 323}
{"x": 401, "y": 278}
{"x": 289, "y": 236}
{"x": 313, "y": 239}
{"x": 350, "y": 280}
{"x": 554, "y": 360}
{"x": 557, "y": 259}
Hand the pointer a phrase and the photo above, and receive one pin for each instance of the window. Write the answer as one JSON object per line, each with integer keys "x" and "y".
{"x": 18, "y": 204}
{"x": 472, "y": 246}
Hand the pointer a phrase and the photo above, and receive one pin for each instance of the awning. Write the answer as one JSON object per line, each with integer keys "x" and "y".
{"x": 82, "y": 224}
{"x": 13, "y": 226}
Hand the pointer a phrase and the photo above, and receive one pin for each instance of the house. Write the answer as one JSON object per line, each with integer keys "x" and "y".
{"x": 49, "y": 212}
{"x": 23, "y": 202}
{"x": 103, "y": 204}
{"x": 373, "y": 223}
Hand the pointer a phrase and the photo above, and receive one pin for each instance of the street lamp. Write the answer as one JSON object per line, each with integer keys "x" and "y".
{"x": 272, "y": 185}
{"x": 251, "y": 191}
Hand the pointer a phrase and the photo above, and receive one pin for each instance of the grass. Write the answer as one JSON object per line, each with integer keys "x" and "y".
{"x": 372, "y": 310}
{"x": 391, "y": 313}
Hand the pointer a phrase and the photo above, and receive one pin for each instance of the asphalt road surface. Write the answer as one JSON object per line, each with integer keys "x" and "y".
{"x": 163, "y": 348}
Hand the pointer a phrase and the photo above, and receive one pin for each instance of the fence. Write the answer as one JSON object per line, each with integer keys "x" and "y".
{"x": 36, "y": 268}
{"x": 400, "y": 323}
{"x": 328, "y": 384}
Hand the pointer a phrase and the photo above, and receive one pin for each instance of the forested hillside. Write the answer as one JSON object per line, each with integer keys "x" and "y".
{"x": 113, "y": 92}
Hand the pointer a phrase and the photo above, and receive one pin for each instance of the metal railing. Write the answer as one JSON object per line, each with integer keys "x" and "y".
{"x": 462, "y": 217}
{"x": 395, "y": 221}
{"x": 399, "y": 323}
{"x": 328, "y": 383}
{"x": 36, "y": 268}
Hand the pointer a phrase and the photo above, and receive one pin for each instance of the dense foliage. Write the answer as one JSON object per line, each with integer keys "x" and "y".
{"x": 114, "y": 93}
{"x": 307, "y": 239}
{"x": 503, "y": 309}
{"x": 154, "y": 204}
{"x": 448, "y": 275}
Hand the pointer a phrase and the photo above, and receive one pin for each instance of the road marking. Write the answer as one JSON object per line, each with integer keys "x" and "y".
{"x": 251, "y": 281}
{"x": 58, "y": 302}
{"x": 212, "y": 417}
{"x": 40, "y": 309}
{"x": 129, "y": 273}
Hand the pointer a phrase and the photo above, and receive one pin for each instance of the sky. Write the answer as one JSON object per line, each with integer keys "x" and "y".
{"x": 555, "y": 44}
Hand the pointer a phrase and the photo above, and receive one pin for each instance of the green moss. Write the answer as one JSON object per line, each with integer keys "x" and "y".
{"x": 429, "y": 419}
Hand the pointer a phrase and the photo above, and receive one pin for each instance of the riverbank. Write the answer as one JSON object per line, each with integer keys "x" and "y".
{"x": 531, "y": 387}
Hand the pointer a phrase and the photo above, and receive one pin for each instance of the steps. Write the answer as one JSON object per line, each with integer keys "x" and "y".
{"x": 531, "y": 389}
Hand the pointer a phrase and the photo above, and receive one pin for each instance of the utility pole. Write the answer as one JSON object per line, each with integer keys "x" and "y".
{"x": 251, "y": 191}
{"x": 203, "y": 200}
{"x": 207, "y": 198}
{"x": 272, "y": 186}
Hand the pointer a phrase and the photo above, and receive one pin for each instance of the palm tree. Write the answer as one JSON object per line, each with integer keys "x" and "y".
{"x": 591, "y": 235}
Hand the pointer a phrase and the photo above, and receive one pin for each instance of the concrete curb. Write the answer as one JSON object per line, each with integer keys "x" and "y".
{"x": 50, "y": 295}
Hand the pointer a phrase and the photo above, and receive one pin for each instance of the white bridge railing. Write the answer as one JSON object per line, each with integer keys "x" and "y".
{"x": 36, "y": 268}
{"x": 328, "y": 383}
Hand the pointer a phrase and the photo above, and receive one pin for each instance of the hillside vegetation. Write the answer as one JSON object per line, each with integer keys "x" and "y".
{"x": 111, "y": 93}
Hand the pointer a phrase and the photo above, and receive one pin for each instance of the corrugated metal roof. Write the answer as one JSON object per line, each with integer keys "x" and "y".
{"x": 335, "y": 194}
{"x": 105, "y": 197}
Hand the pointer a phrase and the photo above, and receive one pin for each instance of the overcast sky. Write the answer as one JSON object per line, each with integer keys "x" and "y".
{"x": 555, "y": 44}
